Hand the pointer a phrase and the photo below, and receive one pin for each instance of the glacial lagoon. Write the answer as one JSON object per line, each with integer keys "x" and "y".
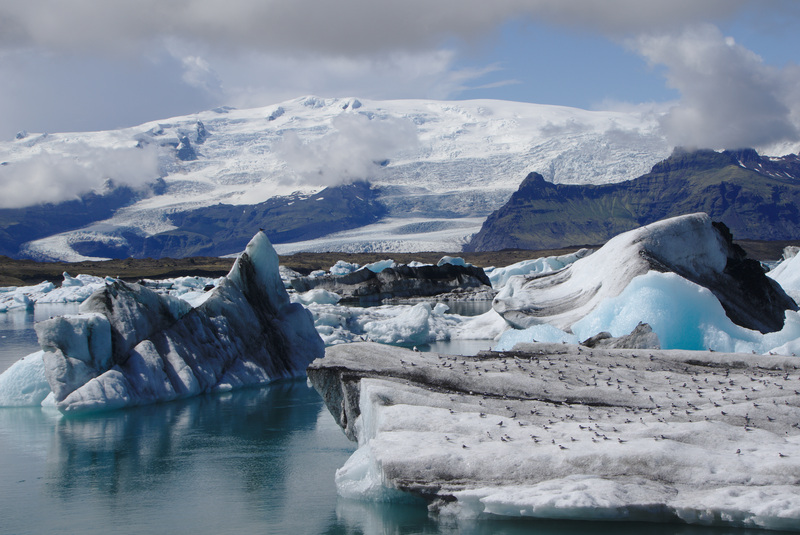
{"x": 251, "y": 461}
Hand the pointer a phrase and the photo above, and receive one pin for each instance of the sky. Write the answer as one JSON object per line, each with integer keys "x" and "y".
{"x": 726, "y": 72}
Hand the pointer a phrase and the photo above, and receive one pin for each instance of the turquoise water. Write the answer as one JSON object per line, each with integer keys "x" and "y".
{"x": 252, "y": 461}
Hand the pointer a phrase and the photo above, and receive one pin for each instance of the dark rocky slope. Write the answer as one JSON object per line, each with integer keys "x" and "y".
{"x": 757, "y": 198}
{"x": 224, "y": 229}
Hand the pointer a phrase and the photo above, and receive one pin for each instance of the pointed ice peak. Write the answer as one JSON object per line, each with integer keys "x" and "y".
{"x": 260, "y": 260}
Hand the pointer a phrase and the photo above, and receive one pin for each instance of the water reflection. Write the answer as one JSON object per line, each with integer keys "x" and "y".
{"x": 249, "y": 461}
{"x": 246, "y": 435}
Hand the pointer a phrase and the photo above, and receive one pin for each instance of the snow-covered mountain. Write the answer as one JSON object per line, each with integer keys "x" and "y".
{"x": 438, "y": 167}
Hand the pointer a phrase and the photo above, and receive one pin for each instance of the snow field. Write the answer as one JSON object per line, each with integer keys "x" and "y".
{"x": 469, "y": 155}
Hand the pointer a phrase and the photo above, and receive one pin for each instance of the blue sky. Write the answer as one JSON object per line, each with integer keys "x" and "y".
{"x": 549, "y": 64}
{"x": 71, "y": 65}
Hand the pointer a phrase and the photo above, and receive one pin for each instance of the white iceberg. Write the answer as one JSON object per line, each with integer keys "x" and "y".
{"x": 536, "y": 266}
{"x": 787, "y": 273}
{"x": 417, "y": 324}
{"x": 578, "y": 298}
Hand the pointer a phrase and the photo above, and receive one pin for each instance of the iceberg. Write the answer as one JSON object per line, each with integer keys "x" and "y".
{"x": 398, "y": 281}
{"x": 131, "y": 346}
{"x": 536, "y": 266}
{"x": 787, "y": 273}
{"x": 690, "y": 246}
{"x": 565, "y": 431}
{"x": 417, "y": 324}
{"x": 24, "y": 384}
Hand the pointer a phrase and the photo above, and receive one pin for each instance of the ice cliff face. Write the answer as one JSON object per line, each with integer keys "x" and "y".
{"x": 690, "y": 246}
{"x": 131, "y": 346}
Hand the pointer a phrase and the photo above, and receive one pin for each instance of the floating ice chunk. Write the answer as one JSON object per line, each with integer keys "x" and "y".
{"x": 318, "y": 296}
{"x": 456, "y": 261}
{"x": 487, "y": 326}
{"x": 689, "y": 245}
{"x": 72, "y": 290}
{"x": 380, "y": 265}
{"x": 70, "y": 281}
{"x": 572, "y": 432}
{"x": 411, "y": 327}
{"x": 684, "y": 315}
{"x": 131, "y": 346}
{"x": 439, "y": 309}
{"x": 16, "y": 301}
{"x": 787, "y": 274}
{"x": 402, "y": 324}
{"x": 24, "y": 384}
{"x": 536, "y": 266}
{"x": 343, "y": 268}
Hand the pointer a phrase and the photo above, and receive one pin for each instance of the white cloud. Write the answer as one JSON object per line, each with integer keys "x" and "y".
{"x": 52, "y": 178}
{"x": 351, "y": 27}
{"x": 353, "y": 150}
{"x": 729, "y": 97}
{"x": 259, "y": 78}
{"x": 96, "y": 64}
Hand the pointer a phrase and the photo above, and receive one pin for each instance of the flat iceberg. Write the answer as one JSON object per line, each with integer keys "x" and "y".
{"x": 130, "y": 345}
{"x": 565, "y": 431}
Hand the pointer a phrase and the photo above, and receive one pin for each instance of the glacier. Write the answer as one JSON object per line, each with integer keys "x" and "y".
{"x": 446, "y": 167}
{"x": 129, "y": 345}
{"x": 563, "y": 431}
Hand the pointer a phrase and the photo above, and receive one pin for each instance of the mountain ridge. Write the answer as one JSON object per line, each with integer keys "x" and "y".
{"x": 756, "y": 197}
{"x": 450, "y": 161}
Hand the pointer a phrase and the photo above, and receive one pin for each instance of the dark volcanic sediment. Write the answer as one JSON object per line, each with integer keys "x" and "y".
{"x": 398, "y": 282}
